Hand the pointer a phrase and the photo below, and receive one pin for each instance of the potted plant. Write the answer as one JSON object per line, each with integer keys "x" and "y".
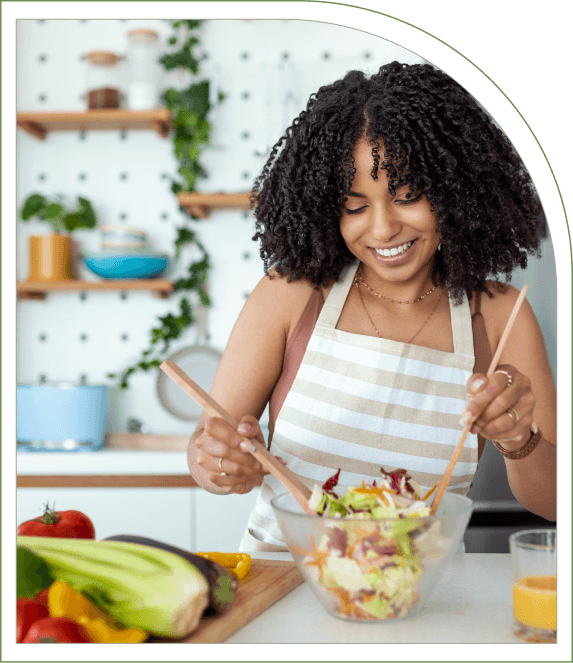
{"x": 51, "y": 255}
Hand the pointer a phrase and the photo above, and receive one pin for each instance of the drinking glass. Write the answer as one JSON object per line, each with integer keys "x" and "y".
{"x": 534, "y": 569}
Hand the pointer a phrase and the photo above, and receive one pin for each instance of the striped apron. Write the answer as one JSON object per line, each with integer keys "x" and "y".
{"x": 362, "y": 402}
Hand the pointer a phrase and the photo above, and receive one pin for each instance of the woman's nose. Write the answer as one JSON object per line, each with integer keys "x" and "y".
{"x": 385, "y": 223}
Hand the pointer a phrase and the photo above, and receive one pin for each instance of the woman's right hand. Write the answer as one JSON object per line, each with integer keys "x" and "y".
{"x": 225, "y": 455}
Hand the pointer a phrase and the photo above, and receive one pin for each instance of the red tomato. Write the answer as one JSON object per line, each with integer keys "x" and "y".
{"x": 59, "y": 524}
{"x": 28, "y": 612}
{"x": 41, "y": 597}
{"x": 56, "y": 629}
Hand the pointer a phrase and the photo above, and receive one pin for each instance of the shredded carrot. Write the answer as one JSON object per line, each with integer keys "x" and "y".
{"x": 373, "y": 490}
{"x": 430, "y": 491}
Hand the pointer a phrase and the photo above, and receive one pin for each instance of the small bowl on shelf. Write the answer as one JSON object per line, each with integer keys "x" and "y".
{"x": 120, "y": 238}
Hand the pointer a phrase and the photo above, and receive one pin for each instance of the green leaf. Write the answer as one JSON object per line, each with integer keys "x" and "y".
{"x": 72, "y": 222}
{"x": 192, "y": 24}
{"x": 184, "y": 236}
{"x": 87, "y": 213}
{"x": 32, "y": 205}
{"x": 32, "y": 573}
{"x": 52, "y": 211}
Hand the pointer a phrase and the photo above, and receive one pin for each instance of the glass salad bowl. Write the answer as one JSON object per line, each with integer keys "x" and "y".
{"x": 364, "y": 569}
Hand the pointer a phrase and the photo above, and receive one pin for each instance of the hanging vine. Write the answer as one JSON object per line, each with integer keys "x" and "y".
{"x": 189, "y": 108}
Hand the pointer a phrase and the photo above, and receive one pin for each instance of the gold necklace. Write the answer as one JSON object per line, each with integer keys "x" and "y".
{"x": 394, "y": 301}
{"x": 376, "y": 328}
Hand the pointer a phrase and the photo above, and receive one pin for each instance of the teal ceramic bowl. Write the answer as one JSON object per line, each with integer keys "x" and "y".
{"x": 127, "y": 265}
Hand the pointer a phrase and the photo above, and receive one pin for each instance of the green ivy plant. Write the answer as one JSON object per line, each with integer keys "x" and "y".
{"x": 189, "y": 108}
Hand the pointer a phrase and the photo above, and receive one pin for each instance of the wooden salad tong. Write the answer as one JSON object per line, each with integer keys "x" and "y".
{"x": 289, "y": 480}
{"x": 443, "y": 484}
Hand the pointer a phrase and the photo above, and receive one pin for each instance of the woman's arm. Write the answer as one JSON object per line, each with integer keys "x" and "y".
{"x": 532, "y": 479}
{"x": 248, "y": 371}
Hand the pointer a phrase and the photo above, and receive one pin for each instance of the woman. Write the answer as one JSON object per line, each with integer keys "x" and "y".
{"x": 382, "y": 214}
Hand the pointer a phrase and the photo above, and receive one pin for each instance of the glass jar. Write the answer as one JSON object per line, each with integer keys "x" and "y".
{"x": 143, "y": 70}
{"x": 103, "y": 80}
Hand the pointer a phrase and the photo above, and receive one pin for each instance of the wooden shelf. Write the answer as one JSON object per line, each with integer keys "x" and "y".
{"x": 105, "y": 480}
{"x": 201, "y": 204}
{"x": 38, "y": 124}
{"x": 40, "y": 289}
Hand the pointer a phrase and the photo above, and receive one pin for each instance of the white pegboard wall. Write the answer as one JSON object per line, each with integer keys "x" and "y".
{"x": 126, "y": 176}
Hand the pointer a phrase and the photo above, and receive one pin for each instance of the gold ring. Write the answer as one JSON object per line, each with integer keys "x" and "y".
{"x": 515, "y": 416}
{"x": 509, "y": 377}
{"x": 221, "y": 467}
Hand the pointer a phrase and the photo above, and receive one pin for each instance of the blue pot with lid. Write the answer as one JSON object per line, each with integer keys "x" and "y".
{"x": 61, "y": 416}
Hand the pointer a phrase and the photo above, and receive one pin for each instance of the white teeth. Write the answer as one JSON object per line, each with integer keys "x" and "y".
{"x": 395, "y": 251}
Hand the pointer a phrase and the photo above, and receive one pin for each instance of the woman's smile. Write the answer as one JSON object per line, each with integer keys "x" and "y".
{"x": 394, "y": 255}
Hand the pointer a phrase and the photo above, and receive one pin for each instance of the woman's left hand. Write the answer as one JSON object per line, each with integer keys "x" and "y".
{"x": 501, "y": 405}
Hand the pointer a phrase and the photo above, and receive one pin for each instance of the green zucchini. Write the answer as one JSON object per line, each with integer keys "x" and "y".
{"x": 222, "y": 583}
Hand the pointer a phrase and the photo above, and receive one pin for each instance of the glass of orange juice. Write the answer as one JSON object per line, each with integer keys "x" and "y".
{"x": 534, "y": 568}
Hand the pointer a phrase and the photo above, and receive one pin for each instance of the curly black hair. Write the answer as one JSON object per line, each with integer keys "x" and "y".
{"x": 436, "y": 138}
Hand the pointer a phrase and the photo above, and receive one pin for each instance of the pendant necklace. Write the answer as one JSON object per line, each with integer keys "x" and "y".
{"x": 355, "y": 282}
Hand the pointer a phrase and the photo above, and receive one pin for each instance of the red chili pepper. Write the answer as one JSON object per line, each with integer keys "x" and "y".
{"x": 27, "y": 613}
{"x": 56, "y": 629}
{"x": 59, "y": 524}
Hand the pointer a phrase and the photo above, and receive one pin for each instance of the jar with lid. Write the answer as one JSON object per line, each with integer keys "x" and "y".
{"x": 103, "y": 81}
{"x": 143, "y": 70}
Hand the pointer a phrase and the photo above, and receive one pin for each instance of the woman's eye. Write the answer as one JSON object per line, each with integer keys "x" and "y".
{"x": 400, "y": 201}
{"x": 409, "y": 201}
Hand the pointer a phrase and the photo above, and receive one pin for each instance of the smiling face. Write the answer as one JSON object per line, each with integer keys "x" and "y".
{"x": 394, "y": 236}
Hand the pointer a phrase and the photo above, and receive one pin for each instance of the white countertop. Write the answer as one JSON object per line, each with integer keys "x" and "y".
{"x": 471, "y": 604}
{"x": 114, "y": 461}
{"x": 105, "y": 461}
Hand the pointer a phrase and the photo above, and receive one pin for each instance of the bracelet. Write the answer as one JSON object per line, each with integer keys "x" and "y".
{"x": 525, "y": 450}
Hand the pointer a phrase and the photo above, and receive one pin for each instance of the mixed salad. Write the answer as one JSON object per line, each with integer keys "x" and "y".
{"x": 371, "y": 569}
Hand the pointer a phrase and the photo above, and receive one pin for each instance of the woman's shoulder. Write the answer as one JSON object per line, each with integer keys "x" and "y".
{"x": 500, "y": 298}
{"x": 282, "y": 299}
{"x": 279, "y": 286}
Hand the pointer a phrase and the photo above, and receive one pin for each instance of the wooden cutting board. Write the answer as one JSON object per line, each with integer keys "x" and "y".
{"x": 266, "y": 583}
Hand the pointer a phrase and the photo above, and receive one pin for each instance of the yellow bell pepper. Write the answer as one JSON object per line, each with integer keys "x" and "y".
{"x": 64, "y": 601}
{"x": 239, "y": 563}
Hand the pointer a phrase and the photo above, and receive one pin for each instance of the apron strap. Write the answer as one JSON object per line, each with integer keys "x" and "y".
{"x": 462, "y": 327}
{"x": 334, "y": 303}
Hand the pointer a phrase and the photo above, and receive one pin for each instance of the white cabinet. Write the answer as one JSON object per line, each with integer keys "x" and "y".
{"x": 190, "y": 518}
{"x": 165, "y": 514}
{"x": 221, "y": 520}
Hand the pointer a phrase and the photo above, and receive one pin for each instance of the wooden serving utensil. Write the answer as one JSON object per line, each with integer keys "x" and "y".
{"x": 458, "y": 449}
{"x": 289, "y": 480}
